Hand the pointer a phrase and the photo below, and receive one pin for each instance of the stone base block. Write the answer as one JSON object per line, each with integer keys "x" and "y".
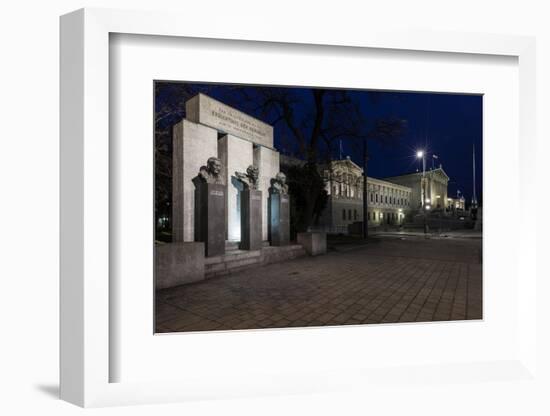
{"x": 178, "y": 263}
{"x": 314, "y": 243}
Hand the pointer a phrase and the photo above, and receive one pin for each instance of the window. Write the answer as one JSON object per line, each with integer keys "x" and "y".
{"x": 349, "y": 214}
{"x": 376, "y": 197}
{"x": 381, "y": 216}
{"x": 344, "y": 214}
{"x": 354, "y": 214}
{"x": 371, "y": 197}
{"x": 368, "y": 216}
{"x": 386, "y": 199}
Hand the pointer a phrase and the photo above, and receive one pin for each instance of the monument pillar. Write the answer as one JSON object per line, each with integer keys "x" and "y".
{"x": 192, "y": 145}
{"x": 267, "y": 161}
{"x": 236, "y": 155}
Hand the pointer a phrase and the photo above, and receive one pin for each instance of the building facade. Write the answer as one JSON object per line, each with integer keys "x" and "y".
{"x": 436, "y": 182}
{"x": 456, "y": 204}
{"x": 388, "y": 203}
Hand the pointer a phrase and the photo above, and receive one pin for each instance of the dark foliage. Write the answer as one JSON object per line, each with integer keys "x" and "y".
{"x": 308, "y": 196}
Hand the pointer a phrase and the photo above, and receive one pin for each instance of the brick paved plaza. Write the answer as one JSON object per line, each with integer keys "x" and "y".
{"x": 389, "y": 280}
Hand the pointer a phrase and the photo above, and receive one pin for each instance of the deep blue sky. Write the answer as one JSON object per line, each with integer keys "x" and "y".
{"x": 447, "y": 125}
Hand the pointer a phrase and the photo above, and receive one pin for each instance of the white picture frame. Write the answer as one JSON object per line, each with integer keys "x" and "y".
{"x": 85, "y": 211}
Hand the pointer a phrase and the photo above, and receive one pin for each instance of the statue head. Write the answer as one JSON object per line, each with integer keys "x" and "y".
{"x": 250, "y": 178}
{"x": 281, "y": 178}
{"x": 253, "y": 172}
{"x": 211, "y": 173}
{"x": 214, "y": 166}
{"x": 278, "y": 184}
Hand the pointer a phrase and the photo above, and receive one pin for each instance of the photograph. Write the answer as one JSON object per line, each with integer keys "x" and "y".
{"x": 294, "y": 207}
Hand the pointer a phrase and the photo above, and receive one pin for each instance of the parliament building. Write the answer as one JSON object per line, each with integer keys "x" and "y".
{"x": 388, "y": 202}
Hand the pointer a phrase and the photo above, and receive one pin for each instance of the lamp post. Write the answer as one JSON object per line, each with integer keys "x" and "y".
{"x": 421, "y": 155}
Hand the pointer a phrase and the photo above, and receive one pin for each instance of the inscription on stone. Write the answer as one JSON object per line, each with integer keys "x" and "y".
{"x": 205, "y": 110}
{"x": 216, "y": 193}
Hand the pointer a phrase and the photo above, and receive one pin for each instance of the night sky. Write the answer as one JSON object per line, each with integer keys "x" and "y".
{"x": 447, "y": 125}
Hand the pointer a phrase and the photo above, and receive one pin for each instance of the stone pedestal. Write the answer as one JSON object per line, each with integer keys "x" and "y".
{"x": 279, "y": 219}
{"x": 251, "y": 220}
{"x": 314, "y": 243}
{"x": 210, "y": 217}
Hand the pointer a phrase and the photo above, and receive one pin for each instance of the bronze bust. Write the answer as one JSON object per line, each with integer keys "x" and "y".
{"x": 250, "y": 178}
{"x": 211, "y": 173}
{"x": 279, "y": 185}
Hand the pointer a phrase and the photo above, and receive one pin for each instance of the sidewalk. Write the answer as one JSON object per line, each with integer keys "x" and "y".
{"x": 432, "y": 234}
{"x": 390, "y": 281}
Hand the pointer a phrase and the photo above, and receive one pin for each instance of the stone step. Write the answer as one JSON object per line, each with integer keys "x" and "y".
{"x": 234, "y": 255}
{"x": 241, "y": 259}
{"x": 234, "y": 245}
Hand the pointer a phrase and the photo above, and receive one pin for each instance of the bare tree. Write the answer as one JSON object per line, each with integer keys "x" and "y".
{"x": 317, "y": 120}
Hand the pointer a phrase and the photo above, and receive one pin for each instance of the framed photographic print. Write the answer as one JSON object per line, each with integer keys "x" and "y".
{"x": 239, "y": 200}
{"x": 278, "y": 214}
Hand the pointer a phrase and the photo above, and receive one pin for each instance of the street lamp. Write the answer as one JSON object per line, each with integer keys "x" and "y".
{"x": 421, "y": 155}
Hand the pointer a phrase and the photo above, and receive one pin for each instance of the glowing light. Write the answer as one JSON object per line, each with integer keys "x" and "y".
{"x": 427, "y": 200}
{"x": 419, "y": 154}
{"x": 428, "y": 207}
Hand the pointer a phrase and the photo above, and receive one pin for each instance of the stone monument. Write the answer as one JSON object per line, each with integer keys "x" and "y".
{"x": 279, "y": 211}
{"x": 210, "y": 208}
{"x": 238, "y": 140}
{"x": 251, "y": 209}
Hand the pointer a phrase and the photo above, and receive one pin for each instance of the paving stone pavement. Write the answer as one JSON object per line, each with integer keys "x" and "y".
{"x": 393, "y": 280}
